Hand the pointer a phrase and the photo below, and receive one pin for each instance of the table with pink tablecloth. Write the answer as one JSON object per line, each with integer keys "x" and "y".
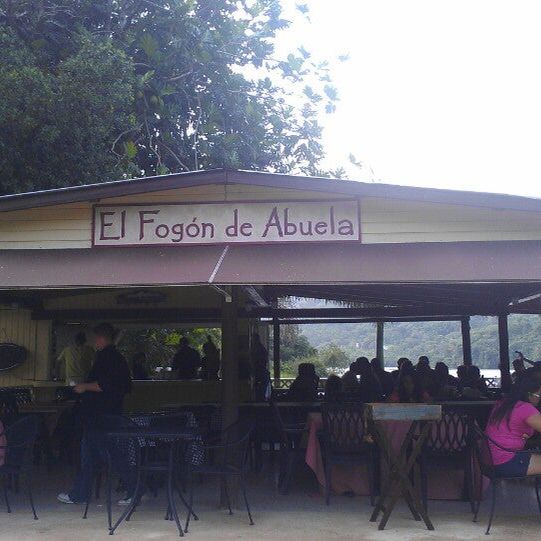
{"x": 444, "y": 484}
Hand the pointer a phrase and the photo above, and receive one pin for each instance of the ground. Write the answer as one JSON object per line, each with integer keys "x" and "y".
{"x": 299, "y": 516}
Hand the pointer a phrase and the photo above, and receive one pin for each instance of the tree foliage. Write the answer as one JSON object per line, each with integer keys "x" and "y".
{"x": 100, "y": 89}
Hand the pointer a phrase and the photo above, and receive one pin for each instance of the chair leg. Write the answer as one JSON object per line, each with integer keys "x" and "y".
{"x": 328, "y": 475}
{"x": 537, "y": 493}
{"x": 31, "y": 498}
{"x": 243, "y": 488}
{"x": 190, "y": 500}
{"x": 494, "y": 486}
{"x": 226, "y": 491}
{"x": 6, "y": 498}
{"x": 98, "y": 485}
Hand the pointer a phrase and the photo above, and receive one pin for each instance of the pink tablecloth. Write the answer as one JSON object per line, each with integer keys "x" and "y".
{"x": 442, "y": 484}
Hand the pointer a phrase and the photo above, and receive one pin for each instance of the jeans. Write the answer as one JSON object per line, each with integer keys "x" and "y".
{"x": 94, "y": 449}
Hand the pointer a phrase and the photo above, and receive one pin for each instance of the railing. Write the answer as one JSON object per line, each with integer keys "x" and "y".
{"x": 285, "y": 383}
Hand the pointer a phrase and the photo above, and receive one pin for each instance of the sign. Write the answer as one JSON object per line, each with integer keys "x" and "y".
{"x": 226, "y": 223}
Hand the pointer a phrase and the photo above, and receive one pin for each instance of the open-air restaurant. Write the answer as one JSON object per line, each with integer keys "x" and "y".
{"x": 141, "y": 375}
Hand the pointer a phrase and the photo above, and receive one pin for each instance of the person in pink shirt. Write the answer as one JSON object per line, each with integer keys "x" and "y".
{"x": 513, "y": 420}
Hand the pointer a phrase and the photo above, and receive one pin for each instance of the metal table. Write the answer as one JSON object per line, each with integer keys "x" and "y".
{"x": 171, "y": 436}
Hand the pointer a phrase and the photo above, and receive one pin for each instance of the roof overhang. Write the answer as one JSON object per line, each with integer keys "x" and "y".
{"x": 351, "y": 188}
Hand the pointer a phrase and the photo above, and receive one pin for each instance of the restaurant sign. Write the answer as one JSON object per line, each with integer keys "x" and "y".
{"x": 226, "y": 223}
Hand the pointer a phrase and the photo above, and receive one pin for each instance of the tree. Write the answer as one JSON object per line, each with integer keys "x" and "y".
{"x": 95, "y": 90}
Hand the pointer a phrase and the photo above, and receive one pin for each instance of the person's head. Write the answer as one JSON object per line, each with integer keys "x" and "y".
{"x": 333, "y": 388}
{"x": 306, "y": 371}
{"x": 526, "y": 389}
{"x": 183, "y": 342}
{"x": 104, "y": 335}
{"x": 376, "y": 365}
{"x": 402, "y": 361}
{"x": 363, "y": 367}
{"x": 441, "y": 370}
{"x": 80, "y": 339}
{"x": 462, "y": 372}
{"x": 518, "y": 365}
{"x": 423, "y": 363}
{"x": 354, "y": 368}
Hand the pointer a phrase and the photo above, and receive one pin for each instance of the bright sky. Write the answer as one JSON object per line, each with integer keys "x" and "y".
{"x": 435, "y": 93}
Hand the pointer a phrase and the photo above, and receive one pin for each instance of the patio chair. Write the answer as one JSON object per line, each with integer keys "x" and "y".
{"x": 448, "y": 444}
{"x": 20, "y": 439}
{"x": 484, "y": 456}
{"x": 227, "y": 460}
{"x": 291, "y": 425}
{"x": 345, "y": 442}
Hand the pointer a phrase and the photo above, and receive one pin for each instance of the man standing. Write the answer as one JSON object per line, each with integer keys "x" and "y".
{"x": 187, "y": 361}
{"x": 102, "y": 394}
{"x": 76, "y": 360}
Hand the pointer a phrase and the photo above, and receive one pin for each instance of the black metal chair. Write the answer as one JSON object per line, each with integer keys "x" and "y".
{"x": 483, "y": 455}
{"x": 291, "y": 425}
{"x": 225, "y": 460}
{"x": 345, "y": 441}
{"x": 449, "y": 444}
{"x": 18, "y": 460}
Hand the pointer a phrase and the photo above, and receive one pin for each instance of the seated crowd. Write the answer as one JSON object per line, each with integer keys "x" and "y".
{"x": 368, "y": 381}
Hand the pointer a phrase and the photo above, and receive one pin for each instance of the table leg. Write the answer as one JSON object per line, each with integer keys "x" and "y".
{"x": 170, "y": 493}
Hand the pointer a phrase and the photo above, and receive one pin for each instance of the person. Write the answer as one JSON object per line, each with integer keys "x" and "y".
{"x": 333, "y": 388}
{"x": 369, "y": 384}
{"x": 470, "y": 382}
{"x": 512, "y": 421}
{"x": 518, "y": 368}
{"x": 385, "y": 378}
{"x": 102, "y": 395}
{"x": 424, "y": 372}
{"x": 210, "y": 363}
{"x": 399, "y": 364}
{"x": 408, "y": 387}
{"x": 443, "y": 385}
{"x": 75, "y": 360}
{"x": 138, "y": 363}
{"x": 187, "y": 361}
{"x": 350, "y": 381}
{"x": 259, "y": 352}
{"x": 304, "y": 388}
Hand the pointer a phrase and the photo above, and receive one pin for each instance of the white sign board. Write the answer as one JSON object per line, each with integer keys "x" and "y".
{"x": 226, "y": 223}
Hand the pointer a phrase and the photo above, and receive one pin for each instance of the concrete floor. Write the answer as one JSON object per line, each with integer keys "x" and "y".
{"x": 300, "y": 516}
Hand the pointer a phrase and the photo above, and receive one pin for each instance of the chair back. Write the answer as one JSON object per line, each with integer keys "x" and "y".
{"x": 449, "y": 436}
{"x": 21, "y": 437}
{"x": 290, "y": 422}
{"x": 9, "y": 407}
{"x": 482, "y": 453}
{"x": 344, "y": 428}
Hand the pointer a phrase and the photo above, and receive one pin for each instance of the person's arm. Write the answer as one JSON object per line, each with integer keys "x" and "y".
{"x": 534, "y": 421}
{"x": 93, "y": 387}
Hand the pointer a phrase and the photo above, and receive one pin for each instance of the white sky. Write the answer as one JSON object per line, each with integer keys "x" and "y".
{"x": 435, "y": 93}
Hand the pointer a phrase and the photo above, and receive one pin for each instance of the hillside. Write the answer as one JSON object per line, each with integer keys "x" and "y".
{"x": 439, "y": 340}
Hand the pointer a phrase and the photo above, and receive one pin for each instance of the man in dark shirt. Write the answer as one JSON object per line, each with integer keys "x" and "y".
{"x": 101, "y": 395}
{"x": 187, "y": 361}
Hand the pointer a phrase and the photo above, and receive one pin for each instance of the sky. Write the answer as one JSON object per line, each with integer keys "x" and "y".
{"x": 445, "y": 94}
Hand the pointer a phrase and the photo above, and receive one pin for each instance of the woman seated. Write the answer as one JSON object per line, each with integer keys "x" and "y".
{"x": 443, "y": 386}
{"x": 409, "y": 388}
{"x": 304, "y": 388}
{"x": 333, "y": 389}
{"x": 513, "y": 420}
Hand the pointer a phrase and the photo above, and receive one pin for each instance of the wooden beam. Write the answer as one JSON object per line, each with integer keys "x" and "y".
{"x": 230, "y": 372}
{"x": 380, "y": 329}
{"x": 276, "y": 369}
{"x": 323, "y": 320}
{"x": 466, "y": 340}
{"x": 503, "y": 336}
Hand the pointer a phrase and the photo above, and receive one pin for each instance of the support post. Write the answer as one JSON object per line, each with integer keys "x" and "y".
{"x": 503, "y": 335}
{"x": 276, "y": 352}
{"x": 466, "y": 340}
{"x": 230, "y": 373}
{"x": 380, "y": 327}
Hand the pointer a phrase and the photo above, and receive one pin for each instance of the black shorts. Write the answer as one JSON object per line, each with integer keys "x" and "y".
{"x": 516, "y": 467}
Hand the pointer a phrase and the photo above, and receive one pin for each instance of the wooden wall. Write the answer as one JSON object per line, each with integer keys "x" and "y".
{"x": 382, "y": 220}
{"x": 17, "y": 326}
